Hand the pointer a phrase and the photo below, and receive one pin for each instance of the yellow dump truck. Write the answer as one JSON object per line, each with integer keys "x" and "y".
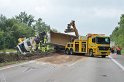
{"x": 91, "y": 44}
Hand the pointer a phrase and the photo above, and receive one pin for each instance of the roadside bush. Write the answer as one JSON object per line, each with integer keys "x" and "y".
{"x": 8, "y": 57}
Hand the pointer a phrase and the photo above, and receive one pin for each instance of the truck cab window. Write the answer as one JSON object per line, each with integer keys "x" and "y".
{"x": 93, "y": 40}
{"x": 103, "y": 40}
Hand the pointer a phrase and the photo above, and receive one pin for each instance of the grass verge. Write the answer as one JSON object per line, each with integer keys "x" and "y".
{"x": 8, "y": 50}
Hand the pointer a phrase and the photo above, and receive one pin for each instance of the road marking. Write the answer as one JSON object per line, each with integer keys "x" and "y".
{"x": 4, "y": 78}
{"x": 117, "y": 63}
{"x": 69, "y": 64}
{"x": 15, "y": 65}
{"x": 76, "y": 62}
{"x": 72, "y": 63}
{"x": 46, "y": 63}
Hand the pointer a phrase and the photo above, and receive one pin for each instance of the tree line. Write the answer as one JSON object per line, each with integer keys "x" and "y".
{"x": 118, "y": 33}
{"x": 20, "y": 25}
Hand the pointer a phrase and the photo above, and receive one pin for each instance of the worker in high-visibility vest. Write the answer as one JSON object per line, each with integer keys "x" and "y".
{"x": 45, "y": 39}
{"x": 44, "y": 47}
{"x": 37, "y": 41}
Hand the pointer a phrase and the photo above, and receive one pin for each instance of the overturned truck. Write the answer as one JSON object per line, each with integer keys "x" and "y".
{"x": 58, "y": 40}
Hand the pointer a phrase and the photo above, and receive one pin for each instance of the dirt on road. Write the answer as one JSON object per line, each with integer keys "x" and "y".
{"x": 60, "y": 58}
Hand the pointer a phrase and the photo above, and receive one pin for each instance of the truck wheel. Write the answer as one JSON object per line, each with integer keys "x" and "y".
{"x": 71, "y": 52}
{"x": 91, "y": 53}
{"x": 67, "y": 51}
{"x": 103, "y": 56}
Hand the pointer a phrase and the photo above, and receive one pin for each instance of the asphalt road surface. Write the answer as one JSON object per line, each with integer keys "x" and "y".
{"x": 85, "y": 69}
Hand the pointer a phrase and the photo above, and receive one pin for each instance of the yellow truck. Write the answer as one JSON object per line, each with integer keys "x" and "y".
{"x": 94, "y": 45}
{"x": 91, "y": 45}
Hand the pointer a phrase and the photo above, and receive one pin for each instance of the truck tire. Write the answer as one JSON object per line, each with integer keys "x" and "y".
{"x": 71, "y": 52}
{"x": 67, "y": 51}
{"x": 91, "y": 53}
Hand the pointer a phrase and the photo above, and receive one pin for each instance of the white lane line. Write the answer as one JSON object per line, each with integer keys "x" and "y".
{"x": 69, "y": 65}
{"x": 73, "y": 64}
{"x": 117, "y": 63}
{"x": 44, "y": 63}
{"x": 4, "y": 78}
{"x": 15, "y": 65}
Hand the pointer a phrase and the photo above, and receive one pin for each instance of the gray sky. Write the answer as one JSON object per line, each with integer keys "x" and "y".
{"x": 91, "y": 16}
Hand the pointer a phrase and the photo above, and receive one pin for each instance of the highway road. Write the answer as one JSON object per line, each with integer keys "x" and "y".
{"x": 86, "y": 69}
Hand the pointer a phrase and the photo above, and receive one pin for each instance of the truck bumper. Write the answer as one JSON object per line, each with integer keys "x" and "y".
{"x": 106, "y": 53}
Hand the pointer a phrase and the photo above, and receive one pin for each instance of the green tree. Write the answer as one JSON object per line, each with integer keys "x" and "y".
{"x": 25, "y": 18}
{"x": 118, "y": 33}
{"x": 23, "y": 24}
{"x": 3, "y": 20}
{"x": 11, "y": 30}
{"x": 40, "y": 26}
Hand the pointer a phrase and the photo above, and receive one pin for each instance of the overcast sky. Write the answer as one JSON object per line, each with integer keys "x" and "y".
{"x": 91, "y": 16}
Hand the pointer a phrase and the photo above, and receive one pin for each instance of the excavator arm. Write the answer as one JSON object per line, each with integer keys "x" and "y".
{"x": 72, "y": 28}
